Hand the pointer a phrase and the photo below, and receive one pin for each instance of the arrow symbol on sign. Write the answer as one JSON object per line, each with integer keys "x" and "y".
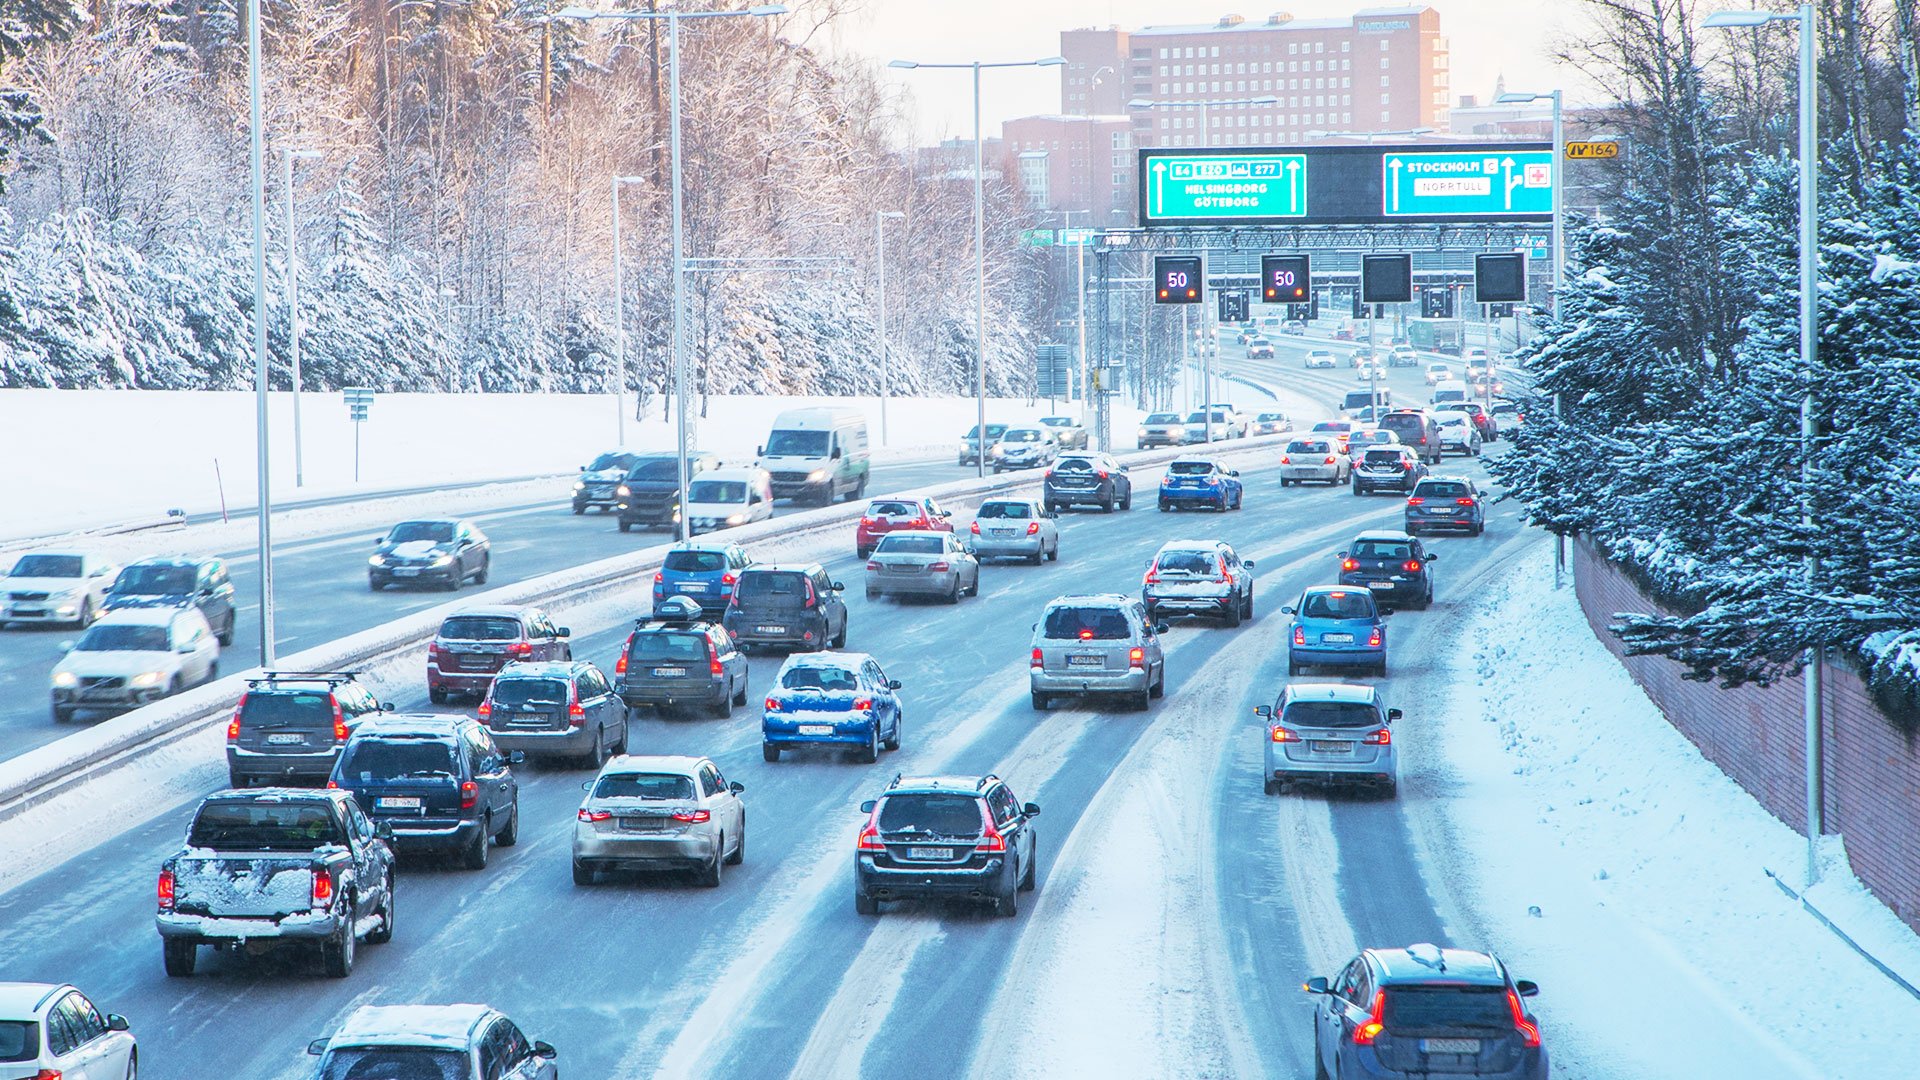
{"x": 1512, "y": 181}
{"x": 1159, "y": 181}
{"x": 1394, "y": 164}
{"x": 1293, "y": 185}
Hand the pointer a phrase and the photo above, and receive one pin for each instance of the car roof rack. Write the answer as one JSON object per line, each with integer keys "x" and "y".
{"x": 329, "y": 677}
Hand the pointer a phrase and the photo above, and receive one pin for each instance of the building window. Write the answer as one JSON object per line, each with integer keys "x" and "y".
{"x": 1385, "y": 116}
{"x": 1346, "y": 65}
{"x": 1383, "y": 62}
{"x": 1346, "y": 46}
{"x": 1383, "y": 44}
{"x": 1386, "y": 99}
{"x": 1385, "y": 80}
{"x": 1216, "y": 50}
{"x": 1344, "y": 83}
{"x": 1293, "y": 47}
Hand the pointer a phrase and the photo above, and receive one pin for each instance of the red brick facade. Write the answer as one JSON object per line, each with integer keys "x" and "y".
{"x": 1756, "y": 736}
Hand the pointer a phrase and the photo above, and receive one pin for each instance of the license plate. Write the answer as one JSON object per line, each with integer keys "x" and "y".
{"x": 1086, "y": 661}
{"x": 1450, "y": 1046}
{"x": 671, "y": 672}
{"x": 1441, "y": 510}
{"x": 290, "y": 739}
{"x": 405, "y": 571}
{"x": 1380, "y": 585}
{"x": 639, "y": 824}
{"x": 816, "y": 729}
{"x": 1337, "y": 639}
{"x": 397, "y": 802}
{"x": 1330, "y": 746}
{"x": 1002, "y": 532}
{"x": 691, "y": 586}
{"x": 769, "y": 629}
{"x": 928, "y": 854}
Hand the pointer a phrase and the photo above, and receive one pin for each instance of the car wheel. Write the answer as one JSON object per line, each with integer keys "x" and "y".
{"x": 225, "y": 637}
{"x": 1106, "y": 505}
{"x": 475, "y": 856}
{"x": 1390, "y": 789}
{"x": 1164, "y": 507}
{"x": 870, "y": 753}
{"x": 769, "y": 752}
{"x": 582, "y": 873}
{"x": 1295, "y": 667}
{"x": 486, "y": 567}
{"x": 1159, "y": 687}
{"x": 579, "y": 508}
{"x": 739, "y": 844}
{"x": 864, "y": 904}
{"x": 374, "y": 586}
{"x": 626, "y": 526}
{"x": 1037, "y": 557}
{"x": 840, "y": 641}
{"x": 1141, "y": 701}
{"x": 739, "y": 694}
{"x": 1285, "y": 483}
{"x": 86, "y": 614}
{"x": 62, "y": 714}
{"x": 953, "y": 594}
{"x": 862, "y": 552}
{"x": 179, "y": 955}
{"x": 1357, "y": 490}
{"x": 1127, "y": 503}
{"x": 723, "y": 708}
{"x": 436, "y": 695}
{"x": 1053, "y": 553}
{"x": 1041, "y": 703}
{"x": 385, "y": 933}
{"x": 1380, "y": 669}
{"x": 510, "y": 835}
{"x": 710, "y": 877}
{"x": 1026, "y": 870}
{"x": 1248, "y": 612}
{"x": 597, "y": 756}
{"x": 893, "y": 741}
{"x": 338, "y": 955}
{"x": 454, "y": 580}
{"x": 1234, "y": 613}
{"x": 1006, "y": 904}
{"x": 873, "y": 594}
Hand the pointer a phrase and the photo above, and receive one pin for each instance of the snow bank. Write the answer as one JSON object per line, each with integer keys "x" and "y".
{"x": 1607, "y": 860}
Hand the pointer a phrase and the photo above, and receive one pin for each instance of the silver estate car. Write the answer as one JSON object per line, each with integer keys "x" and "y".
{"x": 1318, "y": 459}
{"x": 1332, "y": 733}
{"x": 1014, "y": 529}
{"x": 1199, "y": 577}
{"x": 1097, "y": 644}
{"x": 659, "y": 812}
{"x": 914, "y": 563}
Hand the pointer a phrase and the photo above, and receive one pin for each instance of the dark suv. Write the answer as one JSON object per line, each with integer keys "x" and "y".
{"x": 1396, "y": 568}
{"x": 677, "y": 657}
{"x": 702, "y": 571}
{"x": 1424, "y": 1011}
{"x": 650, "y": 493}
{"x": 1417, "y": 429}
{"x": 560, "y": 708}
{"x": 290, "y": 725}
{"x": 1446, "y": 502}
{"x": 164, "y": 582}
{"x": 790, "y": 606}
{"x": 438, "y": 782}
{"x": 1395, "y": 467}
{"x": 1092, "y": 478}
{"x": 963, "y": 837}
{"x": 473, "y": 644}
{"x": 443, "y": 551}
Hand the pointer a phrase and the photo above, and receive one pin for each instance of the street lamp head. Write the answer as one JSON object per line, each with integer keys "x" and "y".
{"x": 1050, "y": 61}
{"x": 891, "y": 213}
{"x": 306, "y": 155}
{"x": 577, "y": 13}
{"x": 763, "y": 10}
{"x": 1745, "y": 18}
{"x": 630, "y": 179}
{"x": 1142, "y": 103}
{"x": 1264, "y": 99}
{"x": 903, "y": 65}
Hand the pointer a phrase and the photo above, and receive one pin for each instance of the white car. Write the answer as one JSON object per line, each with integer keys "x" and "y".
{"x": 52, "y": 1030}
{"x": 1478, "y": 363}
{"x": 1439, "y": 373}
{"x": 727, "y": 498}
{"x": 1024, "y": 448}
{"x": 1318, "y": 459}
{"x": 1457, "y": 434}
{"x": 1269, "y": 423}
{"x": 1370, "y": 370}
{"x": 659, "y": 812}
{"x": 57, "y": 587}
{"x": 1067, "y": 431}
{"x": 1320, "y": 358}
{"x": 133, "y": 656}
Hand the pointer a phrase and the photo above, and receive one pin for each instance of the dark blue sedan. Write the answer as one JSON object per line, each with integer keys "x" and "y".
{"x": 1335, "y": 626}
{"x": 831, "y": 699}
{"x": 1199, "y": 482}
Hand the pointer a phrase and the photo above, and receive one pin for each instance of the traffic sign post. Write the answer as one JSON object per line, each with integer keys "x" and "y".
{"x": 359, "y": 401}
{"x": 1212, "y": 187}
{"x": 1052, "y": 364}
{"x": 1440, "y": 183}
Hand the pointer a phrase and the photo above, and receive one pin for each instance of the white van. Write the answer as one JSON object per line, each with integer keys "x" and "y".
{"x": 728, "y": 497}
{"x": 1450, "y": 391}
{"x": 818, "y": 455}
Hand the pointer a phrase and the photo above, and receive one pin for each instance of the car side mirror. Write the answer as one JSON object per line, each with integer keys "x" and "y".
{"x": 1286, "y": 611}
{"x": 516, "y": 757}
{"x": 377, "y": 540}
{"x": 1394, "y": 714}
{"x": 736, "y": 787}
{"x": 1316, "y": 985}
{"x": 317, "y": 1047}
{"x": 383, "y": 830}
{"x": 386, "y": 706}
{"x": 1161, "y": 627}
{"x": 1248, "y": 563}
{"x": 1031, "y": 810}
{"x": 893, "y": 684}
{"x": 544, "y": 1050}
{"x": 564, "y": 631}
{"x": 586, "y": 785}
{"x": 1339, "y": 554}
{"x": 946, "y": 513}
{"x": 116, "y": 1022}
{"x": 837, "y": 587}
{"x": 1433, "y": 558}
{"x": 1264, "y": 712}
{"x": 1233, "y": 472}
{"x": 1384, "y": 613}
{"x": 836, "y": 453}
{"x": 867, "y": 807}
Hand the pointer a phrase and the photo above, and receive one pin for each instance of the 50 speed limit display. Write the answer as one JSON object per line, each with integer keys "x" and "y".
{"x": 1285, "y": 279}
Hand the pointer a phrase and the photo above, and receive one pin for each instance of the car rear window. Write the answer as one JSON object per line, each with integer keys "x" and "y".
{"x": 311, "y": 710}
{"x": 382, "y": 759}
{"x": 531, "y": 691}
{"x": 939, "y": 815}
{"x": 810, "y": 677}
{"x": 717, "y": 491}
{"x": 1086, "y": 624}
{"x": 1432, "y": 1007}
{"x": 650, "y": 647}
{"x": 1190, "y": 468}
{"x": 1331, "y": 714}
{"x": 694, "y": 562}
{"x": 1385, "y": 457}
{"x": 394, "y": 1063}
{"x": 1299, "y": 447}
{"x": 249, "y": 826}
{"x": 911, "y": 545}
{"x": 57, "y": 566}
{"x": 1338, "y": 605}
{"x": 892, "y": 509}
{"x": 644, "y": 786}
{"x": 1074, "y": 464}
{"x": 1449, "y": 395}
{"x": 1191, "y": 562}
{"x": 1017, "y": 511}
{"x": 1440, "y": 489}
{"x": 19, "y": 1041}
{"x": 480, "y": 628}
{"x": 773, "y": 586}
{"x": 1381, "y": 549}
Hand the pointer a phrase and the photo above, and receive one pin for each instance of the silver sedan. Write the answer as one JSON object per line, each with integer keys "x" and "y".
{"x": 1014, "y": 529}
{"x": 922, "y": 564}
{"x": 659, "y": 812}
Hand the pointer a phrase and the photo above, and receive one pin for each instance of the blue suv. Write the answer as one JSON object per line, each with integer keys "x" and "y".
{"x": 701, "y": 571}
{"x": 1423, "y": 1011}
{"x": 834, "y": 699}
{"x": 1335, "y": 626}
{"x": 1199, "y": 482}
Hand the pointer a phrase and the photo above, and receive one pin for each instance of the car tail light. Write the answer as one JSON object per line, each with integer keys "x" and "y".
{"x": 773, "y": 704}
{"x": 620, "y": 665}
{"x": 520, "y": 648}
{"x": 576, "y": 712}
{"x": 921, "y": 522}
{"x": 48, "y": 1074}
{"x": 1153, "y": 578}
{"x": 322, "y": 890}
{"x": 469, "y": 794}
{"x": 811, "y": 600}
{"x": 866, "y": 522}
{"x": 692, "y": 817}
{"x": 1086, "y": 635}
{"x": 1136, "y": 658}
{"x": 1529, "y": 1031}
{"x": 938, "y": 568}
{"x": 1373, "y": 638}
{"x": 870, "y": 838}
{"x": 713, "y": 661}
{"x": 435, "y": 650}
{"x": 1382, "y": 737}
{"x": 658, "y": 577}
{"x": 1412, "y": 566}
{"x": 1416, "y": 500}
{"x": 862, "y": 704}
{"x": 1463, "y": 502}
{"x": 1328, "y": 461}
{"x": 1349, "y": 564}
{"x": 1033, "y": 528}
{"x": 333, "y": 785}
{"x": 1048, "y": 475}
{"x": 165, "y": 890}
{"x": 339, "y": 723}
{"x": 486, "y": 708}
{"x": 1285, "y": 460}
{"x": 591, "y": 816}
{"x": 1284, "y": 734}
{"x": 1038, "y": 660}
{"x": 872, "y": 565}
{"x": 728, "y": 579}
{"x": 1365, "y": 1033}
{"x": 975, "y": 527}
{"x": 1299, "y": 635}
{"x": 1227, "y": 577}
{"x": 990, "y": 839}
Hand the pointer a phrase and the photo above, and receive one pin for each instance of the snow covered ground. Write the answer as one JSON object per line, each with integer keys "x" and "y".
{"x": 190, "y": 450}
{"x": 1604, "y": 858}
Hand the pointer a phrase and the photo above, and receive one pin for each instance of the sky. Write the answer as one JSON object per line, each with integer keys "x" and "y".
{"x": 1489, "y": 38}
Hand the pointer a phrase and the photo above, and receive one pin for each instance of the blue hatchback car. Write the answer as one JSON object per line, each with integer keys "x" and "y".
{"x": 701, "y": 571}
{"x": 1337, "y": 626}
{"x": 831, "y": 699}
{"x": 1199, "y": 482}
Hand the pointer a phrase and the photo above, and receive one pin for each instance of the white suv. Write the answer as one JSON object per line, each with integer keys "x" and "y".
{"x": 134, "y": 656}
{"x": 51, "y": 1029}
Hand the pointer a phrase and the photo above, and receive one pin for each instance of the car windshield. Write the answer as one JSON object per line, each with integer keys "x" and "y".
{"x": 19, "y": 1041}
{"x": 1331, "y": 714}
{"x": 694, "y": 562}
{"x": 911, "y": 545}
{"x": 650, "y": 648}
{"x": 1164, "y": 418}
{"x": 438, "y": 532}
{"x": 813, "y": 677}
{"x": 1299, "y": 447}
{"x": 609, "y": 462}
{"x": 155, "y": 581}
{"x": 1453, "y": 419}
{"x": 773, "y": 586}
{"x": 480, "y": 628}
{"x": 394, "y": 1063}
{"x": 797, "y": 444}
{"x": 664, "y": 468}
{"x": 1017, "y": 511}
{"x": 1057, "y": 421}
{"x": 368, "y": 760}
{"x": 1271, "y": 417}
{"x": 250, "y": 826}
{"x": 1382, "y": 549}
{"x": 1191, "y": 468}
{"x": 717, "y": 491}
{"x": 637, "y": 785}
{"x": 1087, "y": 624}
{"x": 994, "y": 431}
{"x": 104, "y": 637}
{"x": 46, "y": 566}
{"x": 935, "y": 815}
{"x": 1441, "y": 489}
{"x": 1199, "y": 416}
{"x": 531, "y": 692}
{"x": 1338, "y": 605}
{"x": 1021, "y": 435}
{"x": 893, "y": 510}
{"x": 1185, "y": 562}
{"x": 1411, "y": 1008}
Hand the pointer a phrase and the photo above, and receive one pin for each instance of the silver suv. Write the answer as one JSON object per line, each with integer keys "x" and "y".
{"x": 1330, "y": 733}
{"x": 1199, "y": 577}
{"x": 1097, "y": 644}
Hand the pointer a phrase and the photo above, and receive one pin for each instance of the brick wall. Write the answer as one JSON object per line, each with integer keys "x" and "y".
{"x": 1757, "y": 736}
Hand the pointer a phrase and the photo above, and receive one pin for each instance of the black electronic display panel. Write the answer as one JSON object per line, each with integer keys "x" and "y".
{"x": 1386, "y": 279}
{"x": 1285, "y": 279}
{"x": 1178, "y": 279}
{"x": 1500, "y": 279}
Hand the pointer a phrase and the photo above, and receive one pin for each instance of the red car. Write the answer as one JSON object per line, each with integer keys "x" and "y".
{"x": 891, "y": 515}
{"x": 475, "y": 643}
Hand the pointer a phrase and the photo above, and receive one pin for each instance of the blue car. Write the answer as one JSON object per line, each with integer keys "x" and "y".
{"x": 831, "y": 699}
{"x": 1199, "y": 482}
{"x": 701, "y": 571}
{"x": 1337, "y": 626}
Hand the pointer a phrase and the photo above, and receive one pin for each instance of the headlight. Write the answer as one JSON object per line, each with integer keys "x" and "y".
{"x": 65, "y": 679}
{"x": 1143, "y": 433}
{"x": 377, "y": 560}
{"x": 147, "y": 678}
{"x": 817, "y": 475}
{"x": 998, "y": 451}
{"x": 737, "y": 519}
{"x": 579, "y": 485}
{"x": 442, "y": 560}
{"x": 622, "y": 490}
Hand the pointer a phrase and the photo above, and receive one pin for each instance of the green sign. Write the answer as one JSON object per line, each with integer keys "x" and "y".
{"x": 1037, "y": 237}
{"x": 1451, "y": 183}
{"x": 1226, "y": 187}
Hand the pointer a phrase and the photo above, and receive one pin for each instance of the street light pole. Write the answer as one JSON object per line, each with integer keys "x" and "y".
{"x": 619, "y": 317}
{"x": 256, "y": 160}
{"x": 880, "y": 323}
{"x": 293, "y": 307}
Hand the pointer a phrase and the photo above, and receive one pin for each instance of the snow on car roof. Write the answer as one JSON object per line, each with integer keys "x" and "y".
{"x": 838, "y": 660}
{"x": 440, "y": 1026}
{"x": 1191, "y": 461}
{"x": 1115, "y": 599}
{"x": 1192, "y": 545}
{"x": 22, "y": 1000}
{"x": 627, "y": 763}
{"x": 510, "y": 611}
{"x": 1348, "y": 692}
{"x": 1387, "y": 535}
